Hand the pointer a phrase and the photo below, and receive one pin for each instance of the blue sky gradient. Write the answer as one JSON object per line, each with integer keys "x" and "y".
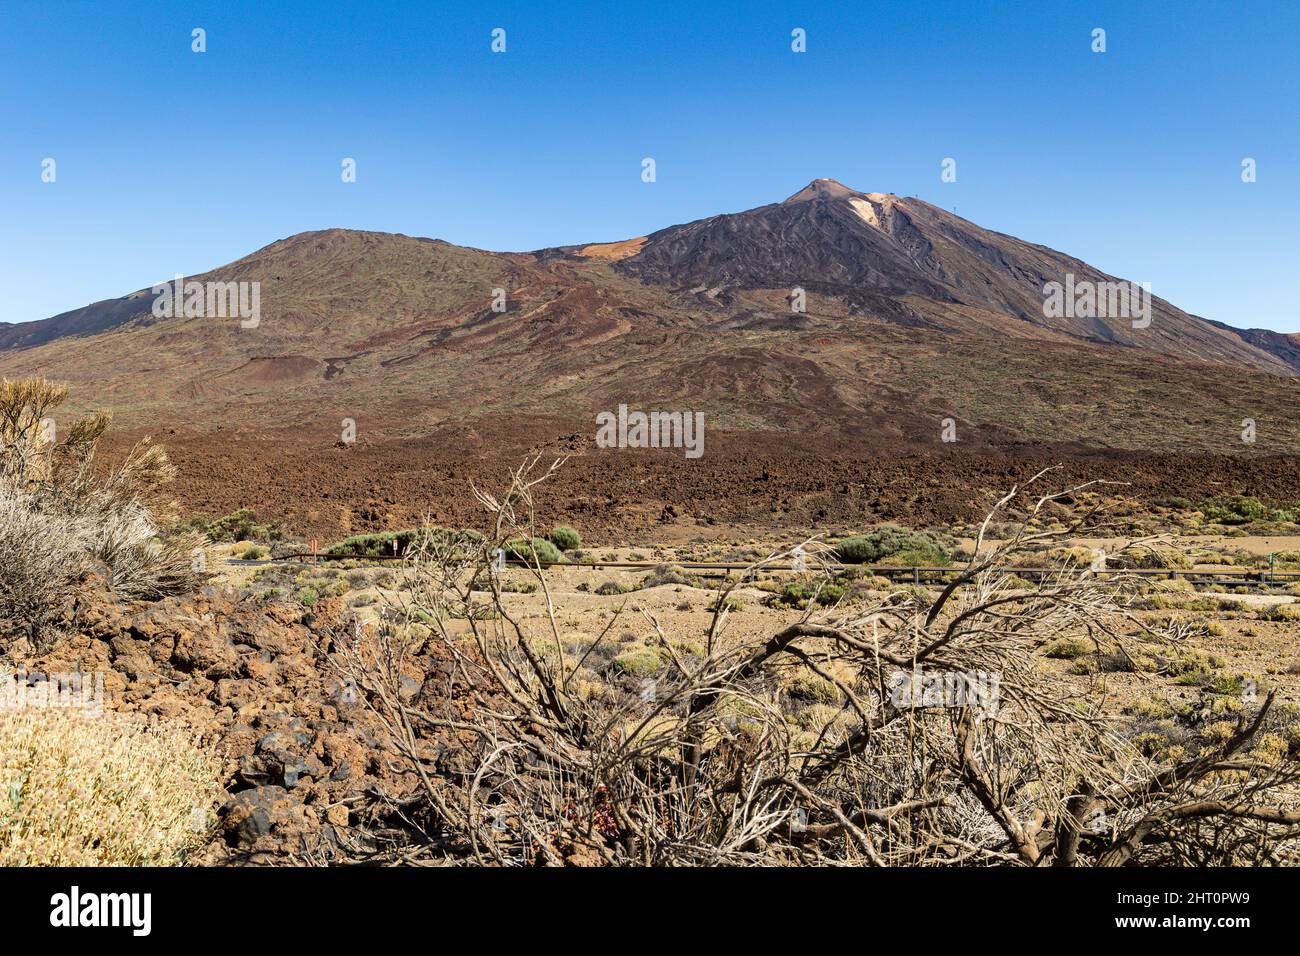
{"x": 171, "y": 161}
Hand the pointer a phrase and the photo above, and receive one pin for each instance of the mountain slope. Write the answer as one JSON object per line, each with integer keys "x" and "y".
{"x": 1285, "y": 347}
{"x": 913, "y": 316}
{"x": 860, "y": 246}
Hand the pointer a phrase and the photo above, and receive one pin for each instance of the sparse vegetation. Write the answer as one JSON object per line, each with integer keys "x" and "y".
{"x": 808, "y": 718}
{"x": 239, "y": 525}
{"x": 382, "y": 544}
{"x": 893, "y": 545}
{"x": 62, "y": 518}
{"x": 565, "y": 538}
{"x": 1243, "y": 509}
{"x": 533, "y": 550}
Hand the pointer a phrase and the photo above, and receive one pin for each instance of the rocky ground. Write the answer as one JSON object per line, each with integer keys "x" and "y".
{"x": 306, "y": 763}
{"x": 250, "y": 664}
{"x": 744, "y": 484}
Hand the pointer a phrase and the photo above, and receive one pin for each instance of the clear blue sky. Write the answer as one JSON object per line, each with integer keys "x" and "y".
{"x": 171, "y": 161}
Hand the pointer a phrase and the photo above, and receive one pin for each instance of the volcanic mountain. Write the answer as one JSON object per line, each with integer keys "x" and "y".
{"x": 912, "y": 315}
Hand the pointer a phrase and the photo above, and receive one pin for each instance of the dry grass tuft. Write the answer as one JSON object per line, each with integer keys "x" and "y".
{"x": 112, "y": 790}
{"x": 60, "y": 516}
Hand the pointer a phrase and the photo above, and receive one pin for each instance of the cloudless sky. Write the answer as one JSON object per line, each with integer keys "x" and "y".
{"x": 173, "y": 161}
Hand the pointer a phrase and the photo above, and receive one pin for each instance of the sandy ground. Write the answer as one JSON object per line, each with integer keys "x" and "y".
{"x": 1244, "y": 640}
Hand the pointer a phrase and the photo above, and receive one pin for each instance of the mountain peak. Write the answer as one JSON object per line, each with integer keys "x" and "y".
{"x": 822, "y": 189}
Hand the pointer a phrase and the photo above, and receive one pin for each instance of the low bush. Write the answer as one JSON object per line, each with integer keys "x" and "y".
{"x": 797, "y": 594}
{"x": 813, "y": 688}
{"x": 109, "y": 790}
{"x": 61, "y": 517}
{"x": 533, "y": 550}
{"x": 383, "y": 544}
{"x": 239, "y": 525}
{"x": 890, "y": 541}
{"x": 565, "y": 538}
{"x": 1068, "y": 648}
{"x": 1156, "y": 557}
{"x": 639, "y": 661}
{"x": 669, "y": 574}
{"x": 1237, "y": 509}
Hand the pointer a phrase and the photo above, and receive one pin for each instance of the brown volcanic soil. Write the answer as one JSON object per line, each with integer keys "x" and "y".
{"x": 745, "y": 482}
{"x": 311, "y": 773}
{"x": 822, "y": 419}
{"x": 913, "y": 315}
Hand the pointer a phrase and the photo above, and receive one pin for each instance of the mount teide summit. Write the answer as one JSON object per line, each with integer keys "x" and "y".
{"x": 869, "y": 248}
{"x": 913, "y": 315}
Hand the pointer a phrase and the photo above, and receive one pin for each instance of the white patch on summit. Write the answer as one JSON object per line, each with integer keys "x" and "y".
{"x": 866, "y": 211}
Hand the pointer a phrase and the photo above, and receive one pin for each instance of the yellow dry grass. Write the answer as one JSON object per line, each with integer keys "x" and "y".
{"x": 112, "y": 790}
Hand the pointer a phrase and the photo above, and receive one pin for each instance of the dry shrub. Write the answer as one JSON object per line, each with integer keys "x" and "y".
{"x": 108, "y": 790}
{"x": 983, "y": 754}
{"x": 61, "y": 516}
{"x": 39, "y": 558}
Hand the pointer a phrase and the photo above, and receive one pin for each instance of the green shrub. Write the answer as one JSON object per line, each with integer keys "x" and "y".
{"x": 729, "y": 603}
{"x": 1224, "y": 684}
{"x": 813, "y": 688}
{"x": 1236, "y": 509}
{"x": 381, "y": 544}
{"x": 254, "y": 553}
{"x": 1191, "y": 667}
{"x": 638, "y": 661}
{"x": 239, "y": 525}
{"x": 535, "y": 549}
{"x": 308, "y": 596}
{"x": 1068, "y": 648}
{"x": 797, "y": 594}
{"x": 378, "y": 545}
{"x": 565, "y": 538}
{"x": 888, "y": 541}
